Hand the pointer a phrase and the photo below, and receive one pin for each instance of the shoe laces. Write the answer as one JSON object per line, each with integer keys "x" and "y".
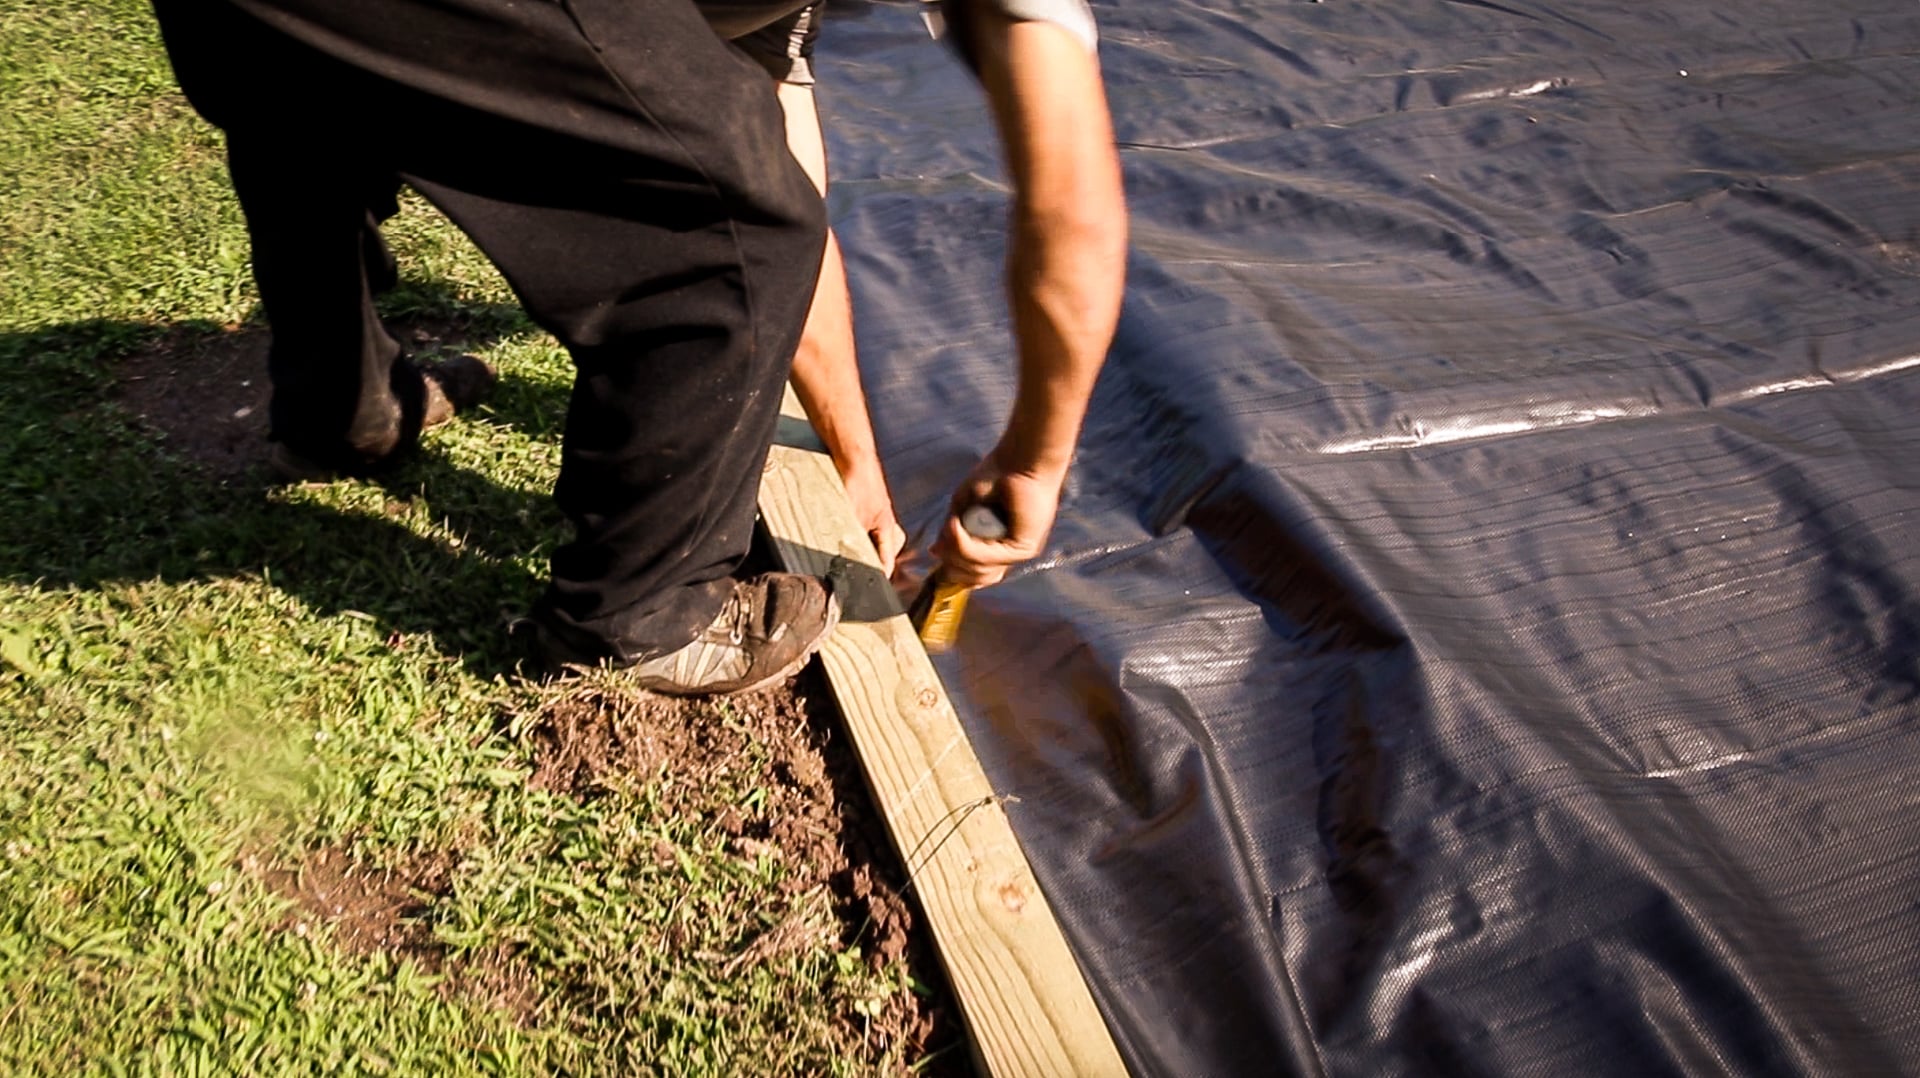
{"x": 738, "y": 614}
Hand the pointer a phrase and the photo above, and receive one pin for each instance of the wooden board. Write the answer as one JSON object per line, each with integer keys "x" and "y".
{"x": 1025, "y": 1003}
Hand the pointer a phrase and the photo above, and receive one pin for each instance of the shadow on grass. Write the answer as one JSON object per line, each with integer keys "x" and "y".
{"x": 125, "y": 457}
{"x": 132, "y": 452}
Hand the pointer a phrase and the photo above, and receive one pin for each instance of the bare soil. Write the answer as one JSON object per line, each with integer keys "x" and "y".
{"x": 206, "y": 397}
{"x": 369, "y": 909}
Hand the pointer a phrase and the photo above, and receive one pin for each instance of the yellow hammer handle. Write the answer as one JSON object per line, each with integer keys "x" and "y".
{"x": 937, "y": 611}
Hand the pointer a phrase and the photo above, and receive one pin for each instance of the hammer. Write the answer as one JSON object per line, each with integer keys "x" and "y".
{"x": 937, "y": 610}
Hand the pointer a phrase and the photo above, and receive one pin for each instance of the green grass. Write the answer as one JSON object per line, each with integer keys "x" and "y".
{"x": 198, "y": 679}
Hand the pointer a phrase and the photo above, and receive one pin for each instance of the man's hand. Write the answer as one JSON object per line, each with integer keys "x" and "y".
{"x": 873, "y": 508}
{"x": 1025, "y": 501}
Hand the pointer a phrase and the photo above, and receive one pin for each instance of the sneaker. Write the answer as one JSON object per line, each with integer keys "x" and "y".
{"x": 768, "y": 629}
{"x": 452, "y": 385}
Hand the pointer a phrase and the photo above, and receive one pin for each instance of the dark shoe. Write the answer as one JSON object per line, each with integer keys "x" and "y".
{"x": 768, "y": 629}
{"x": 451, "y": 386}
{"x": 454, "y": 385}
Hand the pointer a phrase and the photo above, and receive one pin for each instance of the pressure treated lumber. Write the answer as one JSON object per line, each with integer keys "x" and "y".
{"x": 1026, "y": 1005}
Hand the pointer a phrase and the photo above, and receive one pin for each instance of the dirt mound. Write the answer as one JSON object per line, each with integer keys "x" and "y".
{"x": 816, "y": 818}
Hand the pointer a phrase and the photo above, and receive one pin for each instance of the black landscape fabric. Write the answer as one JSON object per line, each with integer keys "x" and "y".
{"x": 1481, "y": 634}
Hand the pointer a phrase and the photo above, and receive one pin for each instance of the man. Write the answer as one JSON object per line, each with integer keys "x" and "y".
{"x": 626, "y": 171}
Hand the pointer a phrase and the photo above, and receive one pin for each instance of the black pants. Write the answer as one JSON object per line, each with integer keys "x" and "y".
{"x": 627, "y": 172}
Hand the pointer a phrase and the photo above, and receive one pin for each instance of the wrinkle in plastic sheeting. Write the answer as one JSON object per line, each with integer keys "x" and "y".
{"x": 1482, "y": 631}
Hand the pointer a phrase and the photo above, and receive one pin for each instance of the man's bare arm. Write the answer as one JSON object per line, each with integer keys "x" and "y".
{"x": 826, "y": 370}
{"x": 1066, "y": 272}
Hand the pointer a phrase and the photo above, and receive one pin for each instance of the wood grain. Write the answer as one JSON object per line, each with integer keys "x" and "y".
{"x": 1026, "y": 1005}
